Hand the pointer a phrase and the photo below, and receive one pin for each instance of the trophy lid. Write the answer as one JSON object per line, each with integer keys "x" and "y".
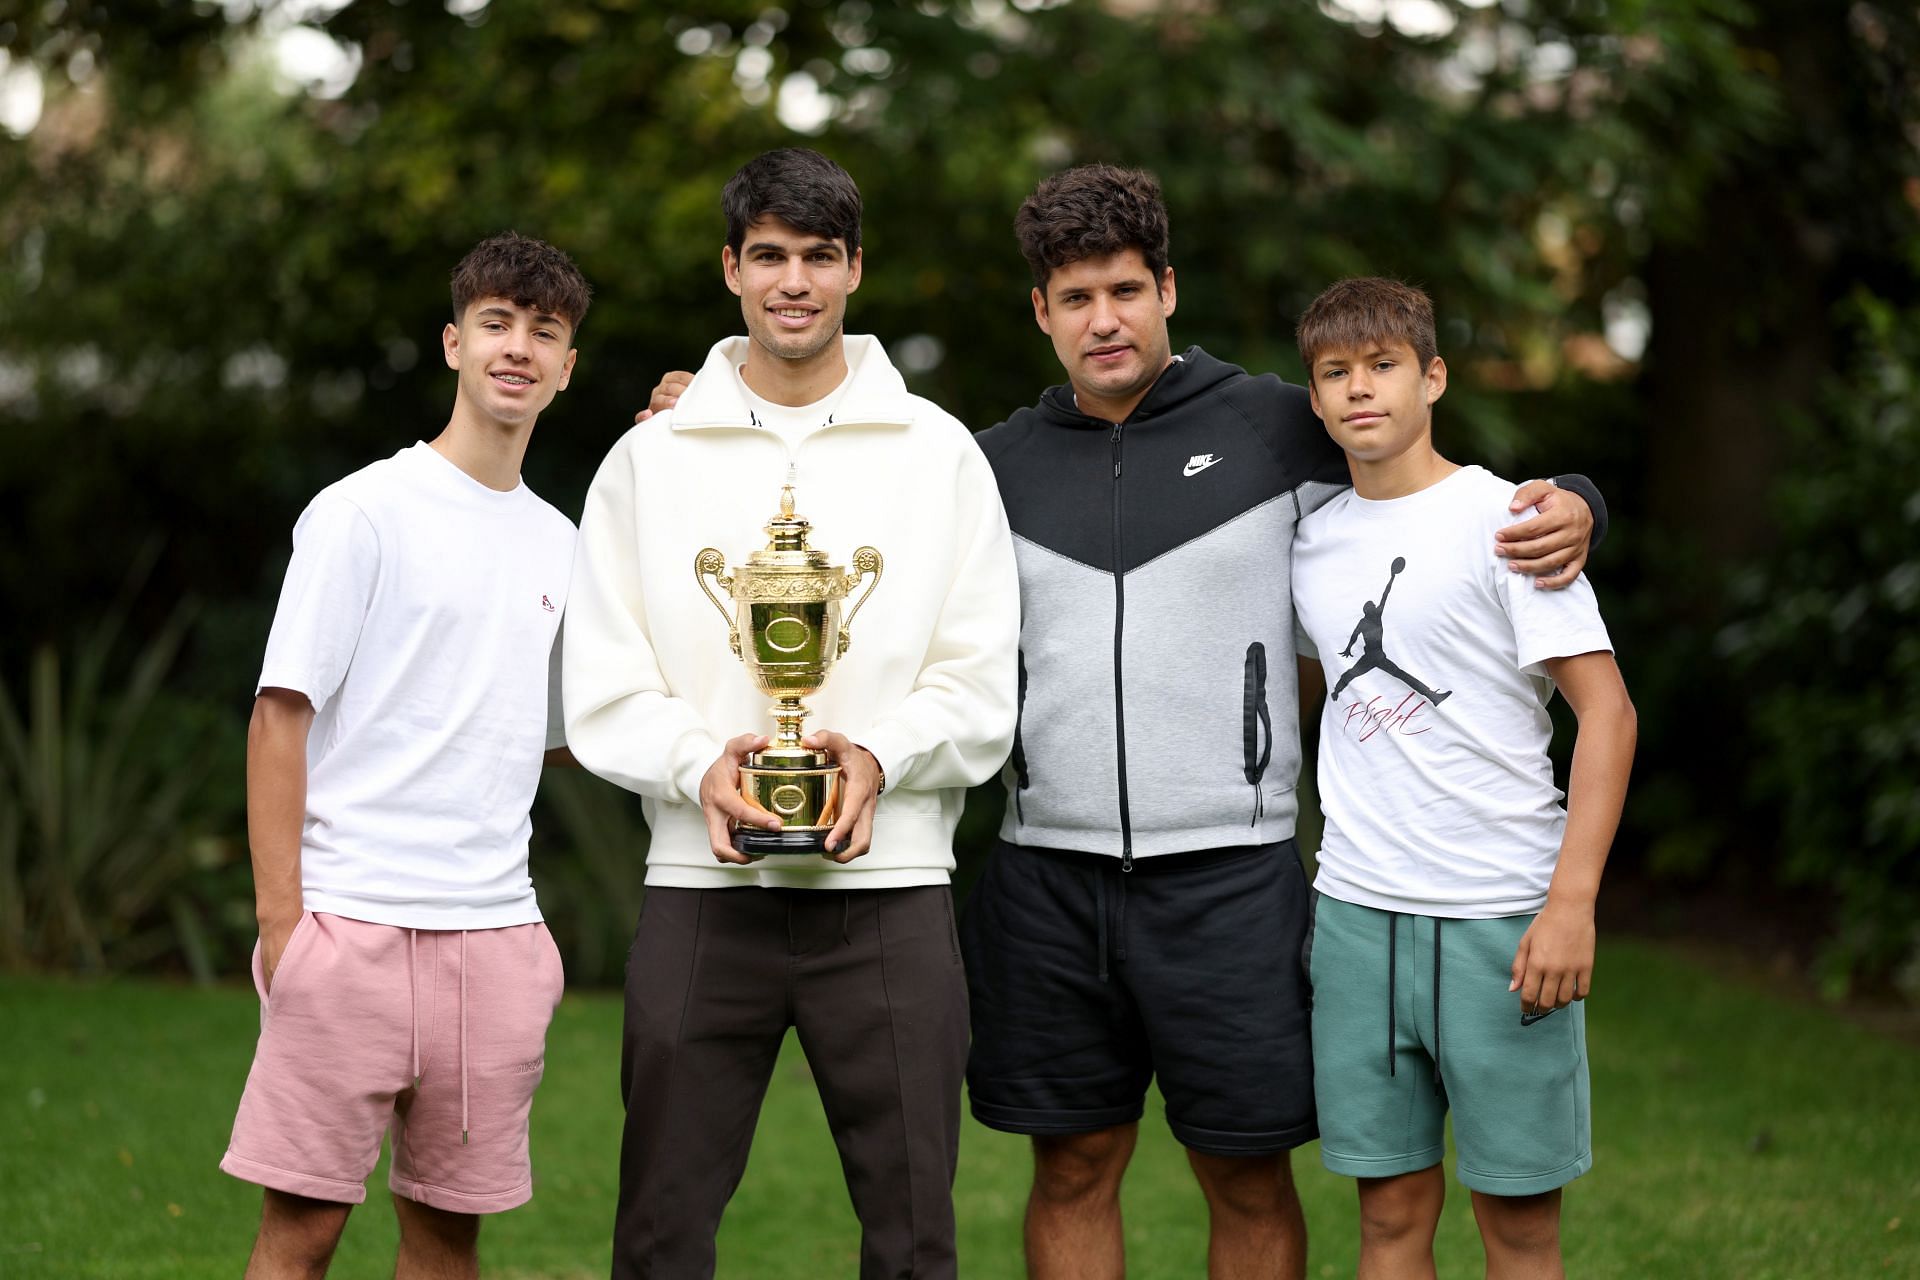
{"x": 787, "y": 540}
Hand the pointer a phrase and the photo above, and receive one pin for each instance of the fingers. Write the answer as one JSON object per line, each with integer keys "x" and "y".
{"x": 1529, "y": 973}
{"x": 737, "y": 749}
{"x": 1547, "y": 986}
{"x": 1532, "y": 539}
{"x": 1548, "y": 554}
{"x": 720, "y": 838}
{"x": 850, "y": 806}
{"x": 852, "y": 835}
{"x": 1531, "y": 494}
{"x": 722, "y": 803}
{"x": 1562, "y": 577}
{"x": 642, "y": 416}
{"x": 735, "y": 807}
{"x": 862, "y": 834}
{"x": 667, "y": 394}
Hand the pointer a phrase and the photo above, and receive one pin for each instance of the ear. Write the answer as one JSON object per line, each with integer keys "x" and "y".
{"x": 730, "y": 267}
{"x": 1166, "y": 292}
{"x": 1436, "y": 379}
{"x": 1313, "y": 398}
{"x": 853, "y": 273}
{"x": 1040, "y": 316}
{"x": 450, "y": 345}
{"x": 566, "y": 370}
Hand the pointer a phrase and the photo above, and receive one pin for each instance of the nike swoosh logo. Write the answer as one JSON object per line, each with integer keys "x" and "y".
{"x": 1196, "y": 467}
{"x": 1528, "y": 1019}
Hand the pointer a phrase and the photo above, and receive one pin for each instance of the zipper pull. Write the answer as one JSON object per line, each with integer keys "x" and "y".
{"x": 1126, "y": 858}
{"x": 1116, "y": 450}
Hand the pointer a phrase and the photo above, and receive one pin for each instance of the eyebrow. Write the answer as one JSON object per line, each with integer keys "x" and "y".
{"x": 831, "y": 246}
{"x": 540, "y": 317}
{"x": 1376, "y": 354}
{"x": 1129, "y": 283}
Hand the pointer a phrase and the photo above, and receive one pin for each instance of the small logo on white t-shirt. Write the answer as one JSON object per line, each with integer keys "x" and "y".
{"x": 1199, "y": 462}
{"x": 546, "y": 604}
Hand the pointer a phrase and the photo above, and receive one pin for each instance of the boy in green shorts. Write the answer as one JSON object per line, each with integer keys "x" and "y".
{"x": 1453, "y": 928}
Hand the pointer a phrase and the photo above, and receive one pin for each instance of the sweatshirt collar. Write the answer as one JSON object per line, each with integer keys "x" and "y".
{"x": 875, "y": 395}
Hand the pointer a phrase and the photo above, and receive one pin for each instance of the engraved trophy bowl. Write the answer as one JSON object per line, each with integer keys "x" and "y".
{"x": 785, "y": 624}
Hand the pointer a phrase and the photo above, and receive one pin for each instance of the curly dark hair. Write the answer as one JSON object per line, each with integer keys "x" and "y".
{"x": 527, "y": 272}
{"x": 800, "y": 187}
{"x": 1367, "y": 311}
{"x": 1090, "y": 212}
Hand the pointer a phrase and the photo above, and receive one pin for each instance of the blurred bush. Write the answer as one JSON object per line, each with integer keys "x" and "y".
{"x": 114, "y": 852}
{"x": 589, "y": 864}
{"x": 1826, "y": 642}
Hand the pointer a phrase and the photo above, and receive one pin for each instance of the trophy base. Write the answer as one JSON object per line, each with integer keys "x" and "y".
{"x": 802, "y": 788}
{"x": 756, "y": 843}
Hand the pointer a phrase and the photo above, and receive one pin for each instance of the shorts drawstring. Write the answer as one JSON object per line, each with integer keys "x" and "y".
{"x": 1437, "y": 922}
{"x": 846, "y": 918}
{"x": 463, "y": 1037}
{"x": 1393, "y": 976}
{"x": 1100, "y": 915}
{"x": 413, "y": 995}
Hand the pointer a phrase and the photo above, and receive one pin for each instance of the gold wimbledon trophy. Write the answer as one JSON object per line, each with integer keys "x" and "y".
{"x": 786, "y": 605}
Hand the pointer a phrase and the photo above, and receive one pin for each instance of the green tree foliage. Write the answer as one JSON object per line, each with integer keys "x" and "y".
{"x": 1828, "y": 632}
{"x": 222, "y": 291}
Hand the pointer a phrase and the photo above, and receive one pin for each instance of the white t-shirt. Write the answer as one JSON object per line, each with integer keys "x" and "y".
{"x": 1434, "y": 775}
{"x": 792, "y": 423}
{"x": 419, "y": 616}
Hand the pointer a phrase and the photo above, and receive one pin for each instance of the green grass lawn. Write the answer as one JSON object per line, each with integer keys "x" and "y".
{"x": 1737, "y": 1136}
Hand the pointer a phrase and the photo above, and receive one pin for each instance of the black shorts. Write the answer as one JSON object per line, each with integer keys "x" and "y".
{"x": 1086, "y": 982}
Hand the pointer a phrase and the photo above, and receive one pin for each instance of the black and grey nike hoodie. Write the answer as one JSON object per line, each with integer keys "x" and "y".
{"x": 1159, "y": 705}
{"x": 1159, "y": 711}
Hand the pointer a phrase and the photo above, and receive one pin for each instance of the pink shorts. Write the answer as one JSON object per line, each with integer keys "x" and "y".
{"x": 437, "y": 1036}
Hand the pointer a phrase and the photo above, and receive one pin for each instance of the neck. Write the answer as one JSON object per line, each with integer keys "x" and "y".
{"x": 1396, "y": 477}
{"x": 488, "y": 450}
{"x": 795, "y": 382}
{"x": 1115, "y": 409}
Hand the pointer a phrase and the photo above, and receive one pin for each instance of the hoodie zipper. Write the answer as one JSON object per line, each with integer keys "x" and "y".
{"x": 1119, "y": 700}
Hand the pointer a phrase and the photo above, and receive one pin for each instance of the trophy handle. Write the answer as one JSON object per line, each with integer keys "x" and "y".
{"x": 711, "y": 563}
{"x": 867, "y": 563}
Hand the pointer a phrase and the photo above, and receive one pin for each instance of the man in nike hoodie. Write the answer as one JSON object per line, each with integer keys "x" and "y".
{"x": 855, "y": 949}
{"x": 1144, "y": 911}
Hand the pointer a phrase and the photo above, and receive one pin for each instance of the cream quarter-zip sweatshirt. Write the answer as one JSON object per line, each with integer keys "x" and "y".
{"x": 651, "y": 688}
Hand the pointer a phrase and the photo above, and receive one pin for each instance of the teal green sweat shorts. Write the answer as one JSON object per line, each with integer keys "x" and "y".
{"x": 1411, "y": 1017}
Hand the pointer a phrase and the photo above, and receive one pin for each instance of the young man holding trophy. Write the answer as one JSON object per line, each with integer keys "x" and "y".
{"x": 799, "y": 879}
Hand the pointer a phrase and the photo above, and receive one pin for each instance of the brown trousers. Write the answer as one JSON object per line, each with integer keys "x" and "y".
{"x": 872, "y": 981}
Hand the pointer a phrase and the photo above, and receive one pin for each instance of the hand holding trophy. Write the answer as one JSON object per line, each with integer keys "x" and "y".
{"x": 785, "y": 624}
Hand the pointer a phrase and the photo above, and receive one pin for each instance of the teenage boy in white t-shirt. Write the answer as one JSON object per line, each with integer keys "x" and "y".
{"x": 1454, "y": 900}
{"x": 401, "y": 719}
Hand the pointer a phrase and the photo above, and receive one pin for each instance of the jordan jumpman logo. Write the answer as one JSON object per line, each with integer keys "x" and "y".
{"x": 1370, "y": 631}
